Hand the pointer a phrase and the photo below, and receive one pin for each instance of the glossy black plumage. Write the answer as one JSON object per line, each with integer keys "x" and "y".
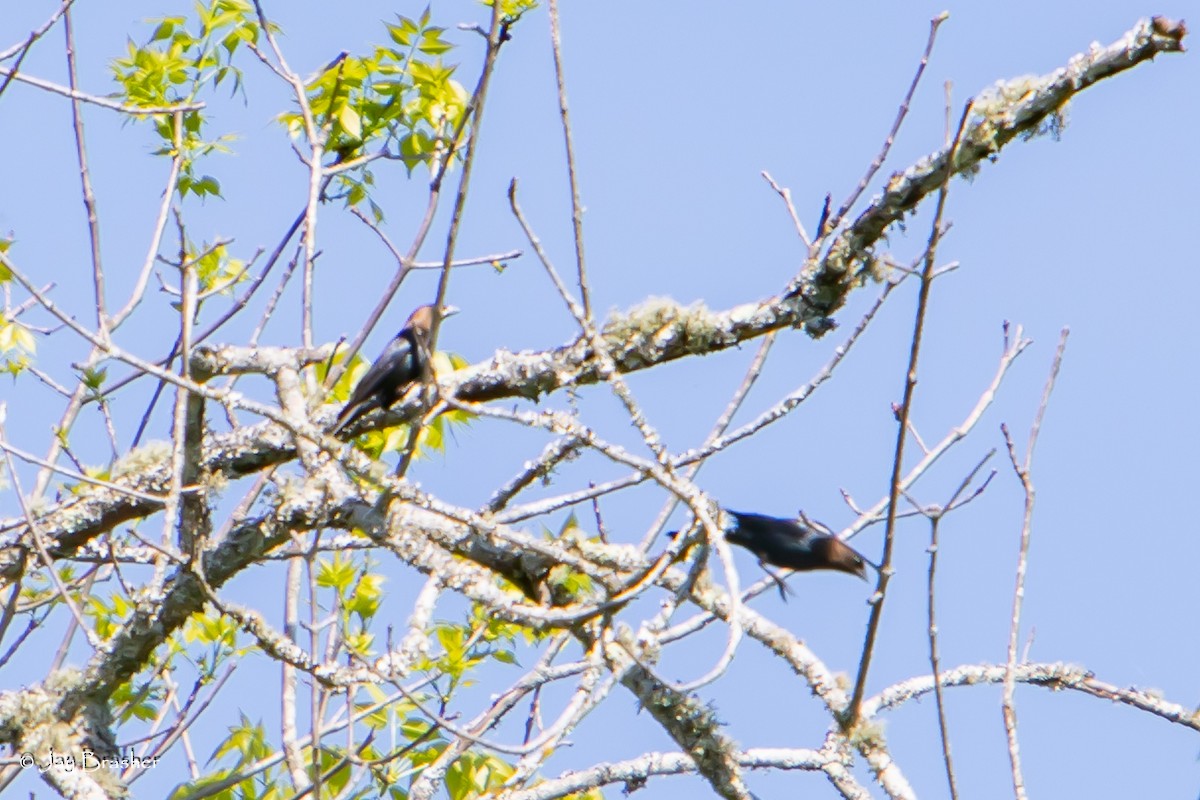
{"x": 793, "y": 545}
{"x": 402, "y": 363}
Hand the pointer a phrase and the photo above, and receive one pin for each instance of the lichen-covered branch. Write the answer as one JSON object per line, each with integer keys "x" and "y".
{"x": 634, "y": 772}
{"x": 1053, "y": 676}
{"x": 1018, "y": 108}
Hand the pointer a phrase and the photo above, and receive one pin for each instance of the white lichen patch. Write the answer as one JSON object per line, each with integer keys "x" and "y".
{"x": 153, "y": 454}
{"x": 645, "y": 318}
{"x": 1001, "y": 105}
{"x": 1001, "y": 96}
{"x": 745, "y": 313}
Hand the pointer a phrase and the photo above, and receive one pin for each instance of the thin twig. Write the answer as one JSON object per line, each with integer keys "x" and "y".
{"x": 585, "y": 294}
{"x": 836, "y": 220}
{"x": 36, "y": 536}
{"x": 1013, "y": 348}
{"x": 559, "y": 450}
{"x": 183, "y": 722}
{"x": 653, "y": 442}
{"x": 719, "y": 427}
{"x": 910, "y": 385}
{"x": 35, "y": 34}
{"x": 786, "y": 195}
{"x": 1024, "y": 474}
{"x": 85, "y": 177}
{"x": 478, "y": 102}
{"x": 160, "y": 225}
{"x": 935, "y": 518}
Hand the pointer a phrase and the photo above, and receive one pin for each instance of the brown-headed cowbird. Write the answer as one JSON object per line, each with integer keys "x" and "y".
{"x": 402, "y": 363}
{"x": 792, "y": 544}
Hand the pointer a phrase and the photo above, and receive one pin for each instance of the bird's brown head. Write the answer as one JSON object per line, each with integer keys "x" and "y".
{"x": 422, "y": 318}
{"x": 844, "y": 558}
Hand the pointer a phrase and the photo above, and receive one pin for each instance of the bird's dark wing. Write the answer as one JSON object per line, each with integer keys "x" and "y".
{"x": 398, "y": 365}
{"x": 796, "y": 552}
{"x": 781, "y": 542}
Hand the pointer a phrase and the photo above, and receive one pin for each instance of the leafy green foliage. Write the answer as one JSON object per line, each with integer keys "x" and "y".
{"x": 359, "y": 593}
{"x": 175, "y": 67}
{"x": 218, "y": 633}
{"x": 216, "y": 269}
{"x": 107, "y": 614}
{"x": 430, "y": 439}
{"x": 459, "y": 651}
{"x": 246, "y": 744}
{"x": 40, "y": 594}
{"x": 496, "y": 630}
{"x": 93, "y": 379}
{"x": 566, "y": 582}
{"x": 246, "y": 740}
{"x": 473, "y": 774}
{"x": 139, "y": 701}
{"x": 82, "y": 487}
{"x": 17, "y": 346}
{"x": 340, "y": 391}
{"x": 466, "y": 646}
{"x": 142, "y": 696}
{"x": 513, "y": 9}
{"x": 400, "y": 98}
{"x": 5, "y": 273}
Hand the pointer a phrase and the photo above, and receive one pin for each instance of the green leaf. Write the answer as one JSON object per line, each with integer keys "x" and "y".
{"x": 350, "y": 121}
{"x": 93, "y": 378}
{"x": 414, "y": 728}
{"x": 165, "y": 28}
{"x": 248, "y": 741}
{"x": 403, "y": 33}
{"x": 367, "y": 596}
{"x": 17, "y": 345}
{"x": 414, "y": 149}
{"x": 360, "y": 643}
{"x": 337, "y": 573}
{"x": 432, "y": 42}
{"x": 207, "y": 185}
{"x": 5, "y": 273}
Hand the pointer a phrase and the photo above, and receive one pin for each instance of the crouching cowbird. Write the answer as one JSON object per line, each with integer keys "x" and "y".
{"x": 402, "y": 363}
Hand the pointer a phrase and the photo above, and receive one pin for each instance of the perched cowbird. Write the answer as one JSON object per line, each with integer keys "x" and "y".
{"x": 402, "y": 363}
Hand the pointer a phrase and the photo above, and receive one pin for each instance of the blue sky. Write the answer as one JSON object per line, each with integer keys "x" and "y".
{"x": 677, "y": 110}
